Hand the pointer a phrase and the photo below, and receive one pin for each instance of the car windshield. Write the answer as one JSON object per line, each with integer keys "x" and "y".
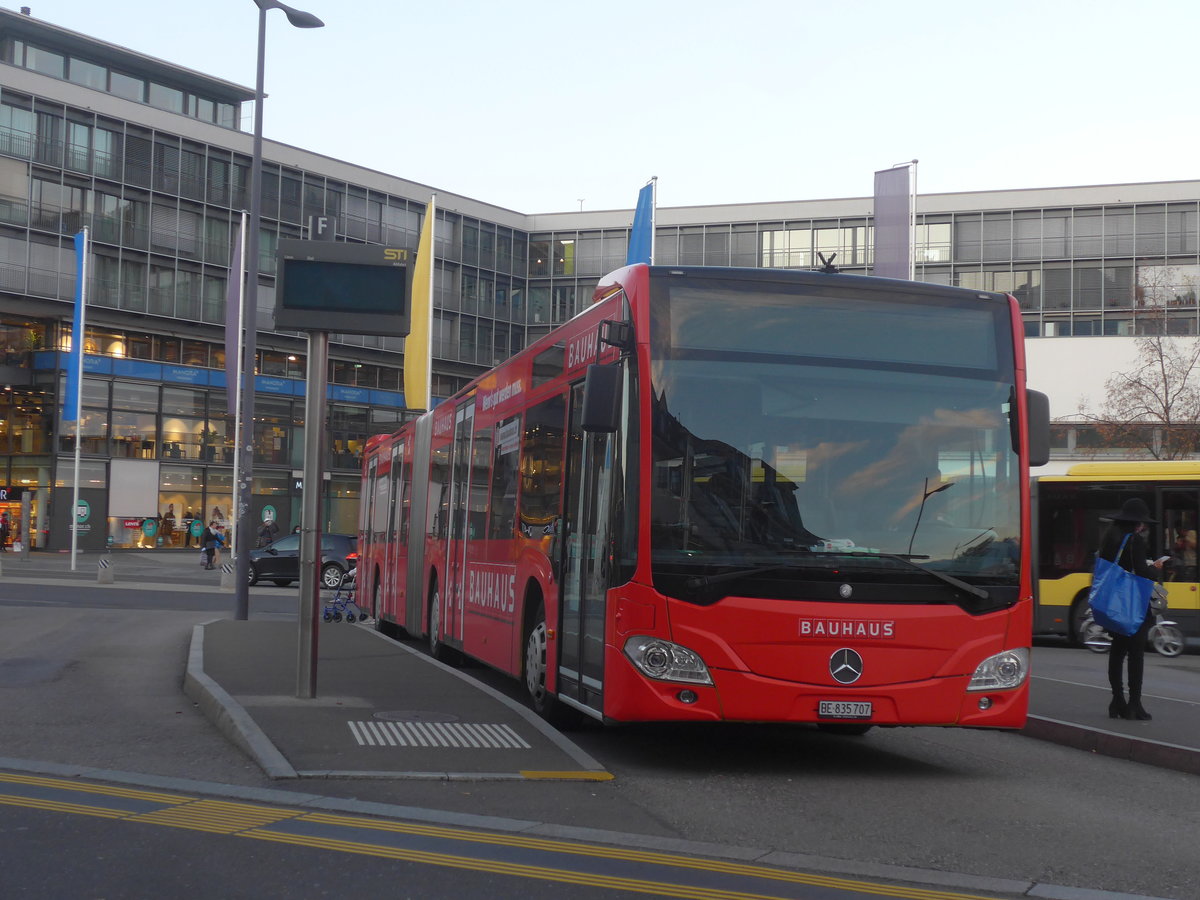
{"x": 835, "y": 430}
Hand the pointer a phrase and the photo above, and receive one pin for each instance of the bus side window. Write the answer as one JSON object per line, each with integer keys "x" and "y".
{"x": 504, "y": 480}
{"x": 542, "y": 466}
{"x": 1179, "y": 522}
{"x": 439, "y": 487}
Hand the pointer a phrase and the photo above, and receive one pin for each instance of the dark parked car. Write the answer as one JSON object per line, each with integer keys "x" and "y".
{"x": 280, "y": 561}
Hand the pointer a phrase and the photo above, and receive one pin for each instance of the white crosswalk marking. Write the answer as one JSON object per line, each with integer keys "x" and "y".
{"x": 452, "y": 735}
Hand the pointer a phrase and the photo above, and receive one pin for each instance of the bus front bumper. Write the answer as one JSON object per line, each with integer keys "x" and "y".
{"x": 745, "y": 697}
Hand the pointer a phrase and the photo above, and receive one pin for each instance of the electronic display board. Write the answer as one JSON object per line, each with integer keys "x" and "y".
{"x": 343, "y": 288}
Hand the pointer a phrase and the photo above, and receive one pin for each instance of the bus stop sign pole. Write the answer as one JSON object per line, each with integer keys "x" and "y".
{"x": 310, "y": 515}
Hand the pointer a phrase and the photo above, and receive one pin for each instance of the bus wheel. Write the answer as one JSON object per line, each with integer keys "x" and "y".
{"x": 543, "y": 702}
{"x": 437, "y": 649}
{"x": 379, "y": 626}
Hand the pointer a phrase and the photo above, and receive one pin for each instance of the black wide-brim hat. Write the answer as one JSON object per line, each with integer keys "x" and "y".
{"x": 1133, "y": 510}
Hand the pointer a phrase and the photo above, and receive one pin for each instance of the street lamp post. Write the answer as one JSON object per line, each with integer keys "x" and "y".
{"x": 245, "y": 529}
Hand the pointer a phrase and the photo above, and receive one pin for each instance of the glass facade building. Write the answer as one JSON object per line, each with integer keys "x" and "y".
{"x": 152, "y": 158}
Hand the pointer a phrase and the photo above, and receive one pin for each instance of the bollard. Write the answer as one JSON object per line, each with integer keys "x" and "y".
{"x": 104, "y": 572}
{"x": 227, "y": 576}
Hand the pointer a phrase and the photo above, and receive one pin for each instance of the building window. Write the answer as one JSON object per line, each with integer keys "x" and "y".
{"x": 88, "y": 74}
{"x": 166, "y": 98}
{"x": 127, "y": 86}
{"x": 46, "y": 62}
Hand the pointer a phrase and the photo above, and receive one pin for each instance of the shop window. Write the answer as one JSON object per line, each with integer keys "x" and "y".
{"x": 134, "y": 435}
{"x": 184, "y": 401}
{"x": 195, "y": 353}
{"x": 274, "y": 363}
{"x": 169, "y": 350}
{"x": 92, "y": 429}
{"x": 25, "y": 421}
{"x": 135, "y": 395}
{"x": 139, "y": 346}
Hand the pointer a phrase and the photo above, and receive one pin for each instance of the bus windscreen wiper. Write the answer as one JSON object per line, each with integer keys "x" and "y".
{"x": 941, "y": 576}
{"x": 695, "y": 582}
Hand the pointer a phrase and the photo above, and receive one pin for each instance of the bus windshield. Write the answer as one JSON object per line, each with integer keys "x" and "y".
{"x": 818, "y": 432}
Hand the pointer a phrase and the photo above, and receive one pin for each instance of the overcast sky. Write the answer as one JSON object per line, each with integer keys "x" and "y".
{"x": 541, "y": 107}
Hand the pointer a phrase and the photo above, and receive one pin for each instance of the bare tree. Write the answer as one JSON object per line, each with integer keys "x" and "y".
{"x": 1155, "y": 405}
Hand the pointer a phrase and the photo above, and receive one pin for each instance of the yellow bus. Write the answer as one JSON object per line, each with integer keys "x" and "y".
{"x": 1069, "y": 514}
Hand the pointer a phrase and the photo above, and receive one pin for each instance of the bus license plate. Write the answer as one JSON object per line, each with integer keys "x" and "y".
{"x": 844, "y": 709}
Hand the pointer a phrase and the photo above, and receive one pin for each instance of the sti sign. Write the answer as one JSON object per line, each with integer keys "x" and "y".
{"x": 346, "y": 288}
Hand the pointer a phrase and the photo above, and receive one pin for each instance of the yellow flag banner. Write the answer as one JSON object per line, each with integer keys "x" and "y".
{"x": 418, "y": 346}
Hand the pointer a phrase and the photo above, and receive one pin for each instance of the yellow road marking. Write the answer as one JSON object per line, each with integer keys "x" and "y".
{"x": 660, "y": 889}
{"x": 642, "y": 856}
{"x": 254, "y": 821}
{"x": 535, "y": 775}
{"x": 56, "y": 806}
{"x": 217, "y": 816}
{"x": 111, "y": 791}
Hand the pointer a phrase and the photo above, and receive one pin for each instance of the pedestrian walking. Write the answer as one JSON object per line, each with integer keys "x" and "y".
{"x": 267, "y": 533}
{"x": 208, "y": 543}
{"x": 1131, "y": 521}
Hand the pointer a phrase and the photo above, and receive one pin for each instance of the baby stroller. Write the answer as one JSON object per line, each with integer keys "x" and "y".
{"x": 342, "y": 606}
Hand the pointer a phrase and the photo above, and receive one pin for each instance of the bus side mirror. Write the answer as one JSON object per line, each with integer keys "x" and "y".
{"x": 601, "y": 399}
{"x": 1037, "y": 407}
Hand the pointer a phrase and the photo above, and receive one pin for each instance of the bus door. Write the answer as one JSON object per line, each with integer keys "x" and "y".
{"x": 391, "y": 553}
{"x": 586, "y": 524}
{"x": 456, "y": 546}
{"x": 366, "y": 527}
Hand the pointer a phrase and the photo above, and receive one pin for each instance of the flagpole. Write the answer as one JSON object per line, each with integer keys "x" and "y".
{"x": 73, "y": 518}
{"x": 912, "y": 231}
{"x": 653, "y": 213}
{"x": 234, "y": 522}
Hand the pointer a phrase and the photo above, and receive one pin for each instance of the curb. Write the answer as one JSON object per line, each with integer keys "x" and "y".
{"x": 781, "y": 859}
{"x": 1111, "y": 743}
{"x": 230, "y": 718}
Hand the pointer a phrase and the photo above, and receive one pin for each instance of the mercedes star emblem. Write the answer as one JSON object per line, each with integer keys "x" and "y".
{"x": 845, "y": 666}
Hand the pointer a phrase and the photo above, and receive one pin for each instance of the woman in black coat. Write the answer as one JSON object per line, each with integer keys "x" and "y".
{"x": 1131, "y": 520}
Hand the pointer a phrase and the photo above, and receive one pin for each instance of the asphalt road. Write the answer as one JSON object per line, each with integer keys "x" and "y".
{"x": 92, "y": 678}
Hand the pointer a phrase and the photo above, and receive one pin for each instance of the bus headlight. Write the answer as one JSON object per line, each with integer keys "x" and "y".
{"x": 1002, "y": 671}
{"x": 665, "y": 661}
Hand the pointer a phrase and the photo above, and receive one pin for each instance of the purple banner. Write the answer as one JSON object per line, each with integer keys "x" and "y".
{"x": 893, "y": 223}
{"x": 233, "y": 322}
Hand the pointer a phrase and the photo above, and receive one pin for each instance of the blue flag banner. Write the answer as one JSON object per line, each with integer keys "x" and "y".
{"x": 70, "y": 410}
{"x": 641, "y": 235}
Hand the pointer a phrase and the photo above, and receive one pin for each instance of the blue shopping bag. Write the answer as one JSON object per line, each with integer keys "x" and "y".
{"x": 1119, "y": 599}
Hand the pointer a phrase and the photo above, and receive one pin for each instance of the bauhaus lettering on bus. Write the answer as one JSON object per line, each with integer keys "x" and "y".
{"x": 847, "y": 628}
{"x": 492, "y": 588}
{"x": 730, "y": 494}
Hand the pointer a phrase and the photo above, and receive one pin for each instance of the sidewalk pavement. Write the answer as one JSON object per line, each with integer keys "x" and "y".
{"x": 1069, "y": 705}
{"x": 385, "y": 710}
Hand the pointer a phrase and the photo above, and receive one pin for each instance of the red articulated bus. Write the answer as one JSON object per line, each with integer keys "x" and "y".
{"x": 730, "y": 494}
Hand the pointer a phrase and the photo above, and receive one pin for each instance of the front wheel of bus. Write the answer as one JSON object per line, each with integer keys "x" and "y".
{"x": 543, "y": 702}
